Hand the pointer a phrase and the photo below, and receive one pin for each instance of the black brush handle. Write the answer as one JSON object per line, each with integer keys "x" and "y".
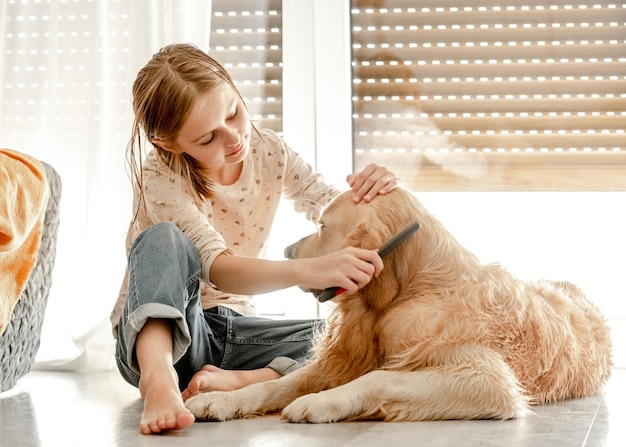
{"x": 400, "y": 237}
{"x": 384, "y": 249}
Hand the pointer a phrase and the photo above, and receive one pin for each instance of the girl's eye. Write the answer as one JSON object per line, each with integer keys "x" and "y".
{"x": 234, "y": 114}
{"x": 208, "y": 141}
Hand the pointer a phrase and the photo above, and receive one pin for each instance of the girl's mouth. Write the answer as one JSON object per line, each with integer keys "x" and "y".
{"x": 239, "y": 148}
{"x": 237, "y": 151}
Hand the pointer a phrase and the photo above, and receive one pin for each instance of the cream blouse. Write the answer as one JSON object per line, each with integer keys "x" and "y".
{"x": 239, "y": 216}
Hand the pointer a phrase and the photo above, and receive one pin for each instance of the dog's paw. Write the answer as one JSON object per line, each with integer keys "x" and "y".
{"x": 317, "y": 408}
{"x": 215, "y": 406}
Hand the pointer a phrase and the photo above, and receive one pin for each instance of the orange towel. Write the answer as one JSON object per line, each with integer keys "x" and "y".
{"x": 23, "y": 198}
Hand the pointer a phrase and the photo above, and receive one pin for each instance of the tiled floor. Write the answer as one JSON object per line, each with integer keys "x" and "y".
{"x": 99, "y": 409}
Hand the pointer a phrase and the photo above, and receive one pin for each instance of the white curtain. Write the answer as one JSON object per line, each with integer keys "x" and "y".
{"x": 65, "y": 90}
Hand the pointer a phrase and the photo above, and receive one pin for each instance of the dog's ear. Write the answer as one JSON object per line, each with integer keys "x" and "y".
{"x": 381, "y": 291}
{"x": 363, "y": 236}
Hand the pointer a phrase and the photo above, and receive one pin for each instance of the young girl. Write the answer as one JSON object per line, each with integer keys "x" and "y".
{"x": 205, "y": 197}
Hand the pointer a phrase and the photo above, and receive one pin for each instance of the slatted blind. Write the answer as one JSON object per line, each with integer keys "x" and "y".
{"x": 491, "y": 95}
{"x": 246, "y": 38}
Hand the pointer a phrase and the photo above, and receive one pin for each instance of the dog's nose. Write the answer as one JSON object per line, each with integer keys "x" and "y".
{"x": 288, "y": 253}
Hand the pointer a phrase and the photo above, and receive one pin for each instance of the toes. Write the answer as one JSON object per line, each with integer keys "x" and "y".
{"x": 185, "y": 419}
{"x": 168, "y": 422}
{"x": 148, "y": 428}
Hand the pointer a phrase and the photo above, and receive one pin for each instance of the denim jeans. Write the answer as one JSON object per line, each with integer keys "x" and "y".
{"x": 164, "y": 283}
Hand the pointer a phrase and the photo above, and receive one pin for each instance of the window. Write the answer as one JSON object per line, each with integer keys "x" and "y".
{"x": 491, "y": 95}
{"x": 246, "y": 40}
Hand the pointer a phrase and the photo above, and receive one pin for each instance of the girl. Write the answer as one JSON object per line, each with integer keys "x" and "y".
{"x": 204, "y": 201}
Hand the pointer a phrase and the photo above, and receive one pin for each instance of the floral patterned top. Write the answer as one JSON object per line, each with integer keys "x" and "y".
{"x": 238, "y": 217}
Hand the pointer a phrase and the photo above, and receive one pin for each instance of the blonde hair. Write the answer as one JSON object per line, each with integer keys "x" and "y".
{"x": 163, "y": 93}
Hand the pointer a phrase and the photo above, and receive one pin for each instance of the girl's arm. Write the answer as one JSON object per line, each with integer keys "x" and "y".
{"x": 350, "y": 268}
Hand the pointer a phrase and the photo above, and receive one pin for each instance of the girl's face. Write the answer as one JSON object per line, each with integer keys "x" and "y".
{"x": 216, "y": 133}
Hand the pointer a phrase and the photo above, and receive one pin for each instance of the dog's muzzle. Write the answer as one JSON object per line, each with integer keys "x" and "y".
{"x": 289, "y": 253}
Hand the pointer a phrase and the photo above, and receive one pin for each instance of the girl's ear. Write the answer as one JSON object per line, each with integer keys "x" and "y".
{"x": 165, "y": 145}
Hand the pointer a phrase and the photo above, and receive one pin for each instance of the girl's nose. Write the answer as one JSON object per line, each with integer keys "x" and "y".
{"x": 232, "y": 137}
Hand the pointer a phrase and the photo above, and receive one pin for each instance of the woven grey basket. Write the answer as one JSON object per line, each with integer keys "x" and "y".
{"x": 20, "y": 341}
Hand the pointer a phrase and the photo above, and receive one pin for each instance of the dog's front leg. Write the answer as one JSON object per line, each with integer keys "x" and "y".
{"x": 258, "y": 398}
{"x": 465, "y": 391}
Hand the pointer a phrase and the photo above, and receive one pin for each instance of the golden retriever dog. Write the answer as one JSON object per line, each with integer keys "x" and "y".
{"x": 437, "y": 335}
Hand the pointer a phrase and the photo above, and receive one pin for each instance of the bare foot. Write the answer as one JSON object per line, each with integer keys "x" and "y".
{"x": 163, "y": 409}
{"x": 212, "y": 378}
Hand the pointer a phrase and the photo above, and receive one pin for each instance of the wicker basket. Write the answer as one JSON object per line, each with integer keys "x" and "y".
{"x": 20, "y": 341}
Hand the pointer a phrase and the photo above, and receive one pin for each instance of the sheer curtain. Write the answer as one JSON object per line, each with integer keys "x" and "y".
{"x": 65, "y": 81}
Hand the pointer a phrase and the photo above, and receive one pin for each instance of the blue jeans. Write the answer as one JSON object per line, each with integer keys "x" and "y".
{"x": 164, "y": 283}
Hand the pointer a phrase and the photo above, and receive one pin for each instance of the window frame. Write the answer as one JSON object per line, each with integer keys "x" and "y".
{"x": 317, "y": 85}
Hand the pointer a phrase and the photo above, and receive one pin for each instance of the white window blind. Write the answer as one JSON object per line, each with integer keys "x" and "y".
{"x": 491, "y": 95}
{"x": 246, "y": 39}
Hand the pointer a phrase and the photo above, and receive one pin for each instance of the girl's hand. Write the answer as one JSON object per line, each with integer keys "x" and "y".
{"x": 371, "y": 181}
{"x": 350, "y": 268}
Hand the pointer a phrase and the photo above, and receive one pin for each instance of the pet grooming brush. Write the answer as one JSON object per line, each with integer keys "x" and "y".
{"x": 392, "y": 243}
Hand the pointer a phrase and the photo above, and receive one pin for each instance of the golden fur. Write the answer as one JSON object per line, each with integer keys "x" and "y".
{"x": 436, "y": 336}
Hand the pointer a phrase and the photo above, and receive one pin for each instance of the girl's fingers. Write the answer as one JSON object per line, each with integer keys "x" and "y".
{"x": 370, "y": 182}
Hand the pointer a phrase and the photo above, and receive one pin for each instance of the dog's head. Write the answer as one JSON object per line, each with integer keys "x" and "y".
{"x": 369, "y": 225}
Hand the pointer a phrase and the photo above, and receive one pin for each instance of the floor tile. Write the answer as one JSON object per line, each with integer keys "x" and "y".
{"x": 100, "y": 409}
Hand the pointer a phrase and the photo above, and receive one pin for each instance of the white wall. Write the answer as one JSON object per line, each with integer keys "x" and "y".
{"x": 574, "y": 236}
